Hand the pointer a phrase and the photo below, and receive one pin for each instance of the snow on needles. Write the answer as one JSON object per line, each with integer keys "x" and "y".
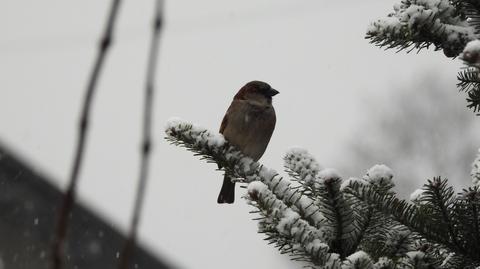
{"x": 286, "y": 222}
{"x": 472, "y": 47}
{"x": 384, "y": 262}
{"x": 415, "y": 255}
{"x": 244, "y": 168}
{"x": 476, "y": 170}
{"x": 302, "y": 163}
{"x": 285, "y": 209}
{"x": 439, "y": 17}
{"x": 178, "y": 125}
{"x": 359, "y": 255}
{"x": 380, "y": 174}
{"x": 359, "y": 259}
{"x": 352, "y": 180}
{"x": 471, "y": 53}
{"x": 256, "y": 189}
{"x": 328, "y": 174}
{"x": 416, "y": 196}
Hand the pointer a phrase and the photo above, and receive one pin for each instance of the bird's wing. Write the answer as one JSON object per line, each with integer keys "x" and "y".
{"x": 224, "y": 123}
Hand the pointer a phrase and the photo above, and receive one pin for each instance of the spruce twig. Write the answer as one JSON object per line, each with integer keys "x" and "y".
{"x": 366, "y": 220}
{"x": 443, "y": 200}
{"x": 337, "y": 211}
{"x": 69, "y": 197}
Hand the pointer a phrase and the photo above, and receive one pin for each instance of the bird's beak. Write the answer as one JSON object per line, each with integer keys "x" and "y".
{"x": 273, "y": 92}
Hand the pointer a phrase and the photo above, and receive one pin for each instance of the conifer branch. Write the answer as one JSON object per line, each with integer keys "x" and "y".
{"x": 471, "y": 10}
{"x": 473, "y": 100}
{"x": 468, "y": 79}
{"x": 398, "y": 241}
{"x": 417, "y": 24}
{"x": 364, "y": 220}
{"x": 302, "y": 167}
{"x": 334, "y": 236}
{"x": 468, "y": 223}
{"x": 451, "y": 26}
{"x": 475, "y": 173}
{"x": 285, "y": 228}
{"x": 441, "y": 198}
{"x": 212, "y": 147}
{"x": 336, "y": 210}
{"x": 387, "y": 203}
{"x": 358, "y": 260}
{"x": 453, "y": 261}
{"x": 436, "y": 220}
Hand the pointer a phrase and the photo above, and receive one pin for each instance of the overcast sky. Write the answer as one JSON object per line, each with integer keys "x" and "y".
{"x": 312, "y": 51}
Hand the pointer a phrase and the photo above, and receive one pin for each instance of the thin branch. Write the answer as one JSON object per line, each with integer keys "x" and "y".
{"x": 69, "y": 197}
{"x": 147, "y": 142}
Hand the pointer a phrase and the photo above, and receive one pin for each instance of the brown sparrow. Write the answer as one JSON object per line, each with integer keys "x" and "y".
{"x": 248, "y": 125}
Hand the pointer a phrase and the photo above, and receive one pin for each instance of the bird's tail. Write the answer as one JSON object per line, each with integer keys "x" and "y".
{"x": 227, "y": 193}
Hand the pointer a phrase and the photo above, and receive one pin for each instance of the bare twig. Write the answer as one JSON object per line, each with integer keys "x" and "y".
{"x": 69, "y": 197}
{"x": 147, "y": 142}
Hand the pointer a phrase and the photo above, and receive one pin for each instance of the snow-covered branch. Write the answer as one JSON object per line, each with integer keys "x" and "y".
{"x": 328, "y": 222}
{"x": 213, "y": 147}
{"x": 469, "y": 78}
{"x": 301, "y": 166}
{"x": 476, "y": 170}
{"x": 418, "y": 24}
{"x": 449, "y": 25}
{"x": 286, "y": 228}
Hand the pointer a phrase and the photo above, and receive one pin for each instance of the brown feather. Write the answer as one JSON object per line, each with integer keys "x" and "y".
{"x": 224, "y": 123}
{"x": 248, "y": 125}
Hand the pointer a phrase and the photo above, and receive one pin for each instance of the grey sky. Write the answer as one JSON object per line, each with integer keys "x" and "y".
{"x": 313, "y": 52}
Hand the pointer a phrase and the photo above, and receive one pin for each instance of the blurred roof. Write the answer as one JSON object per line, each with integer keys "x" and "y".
{"x": 28, "y": 207}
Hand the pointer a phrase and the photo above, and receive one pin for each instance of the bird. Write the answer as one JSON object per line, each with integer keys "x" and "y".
{"x": 248, "y": 125}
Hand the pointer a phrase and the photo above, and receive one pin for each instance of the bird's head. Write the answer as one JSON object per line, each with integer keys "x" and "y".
{"x": 256, "y": 91}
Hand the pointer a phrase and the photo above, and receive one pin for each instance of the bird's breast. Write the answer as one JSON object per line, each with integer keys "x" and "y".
{"x": 250, "y": 129}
